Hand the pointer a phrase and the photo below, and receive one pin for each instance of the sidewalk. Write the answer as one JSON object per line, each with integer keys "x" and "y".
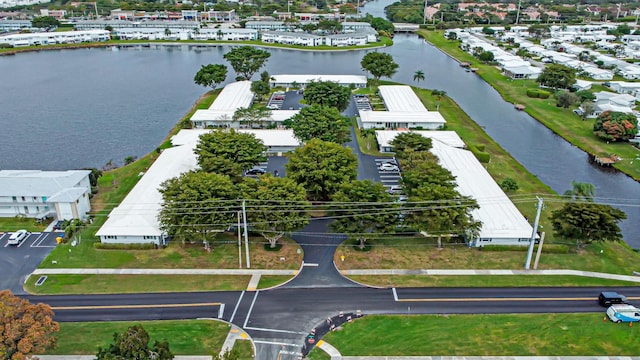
{"x": 103, "y": 271}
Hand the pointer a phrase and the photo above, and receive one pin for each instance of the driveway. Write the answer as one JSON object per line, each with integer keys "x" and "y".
{"x": 17, "y": 262}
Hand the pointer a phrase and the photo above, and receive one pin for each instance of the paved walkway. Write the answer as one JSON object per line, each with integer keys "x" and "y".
{"x": 234, "y": 335}
{"x": 102, "y": 271}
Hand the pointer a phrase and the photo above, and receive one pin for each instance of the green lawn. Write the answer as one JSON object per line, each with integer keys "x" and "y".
{"x": 244, "y": 349}
{"x": 561, "y": 121}
{"x": 269, "y": 281}
{"x": 485, "y": 281}
{"x": 10, "y": 224}
{"x": 103, "y": 284}
{"x": 186, "y": 337}
{"x": 421, "y": 253}
{"x": 486, "y": 335}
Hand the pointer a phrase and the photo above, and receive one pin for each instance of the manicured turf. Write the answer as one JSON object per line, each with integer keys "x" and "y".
{"x": 101, "y": 284}
{"x": 486, "y": 335}
{"x": 12, "y": 224}
{"x": 244, "y": 349}
{"x": 421, "y": 253}
{"x": 269, "y": 281}
{"x": 485, "y": 281}
{"x": 185, "y": 337}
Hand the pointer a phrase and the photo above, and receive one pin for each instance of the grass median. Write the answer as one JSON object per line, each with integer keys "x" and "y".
{"x": 185, "y": 337}
{"x": 485, "y": 335}
{"x": 105, "y": 284}
{"x": 561, "y": 121}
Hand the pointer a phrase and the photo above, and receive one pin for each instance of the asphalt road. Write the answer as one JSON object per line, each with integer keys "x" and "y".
{"x": 17, "y": 262}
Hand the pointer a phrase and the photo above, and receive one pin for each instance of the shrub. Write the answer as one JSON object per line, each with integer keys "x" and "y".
{"x": 543, "y": 94}
{"x": 110, "y": 246}
{"x": 509, "y": 184}
{"x": 537, "y": 93}
{"x": 546, "y": 249}
{"x": 483, "y": 157}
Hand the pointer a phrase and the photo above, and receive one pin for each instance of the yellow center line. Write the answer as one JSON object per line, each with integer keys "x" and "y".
{"x": 144, "y": 306}
{"x": 507, "y": 299}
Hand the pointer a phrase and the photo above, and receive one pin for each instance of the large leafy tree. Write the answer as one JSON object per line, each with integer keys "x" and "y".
{"x": 197, "y": 205}
{"x": 410, "y": 140}
{"x": 379, "y": 65}
{"x": 229, "y": 152}
{"x": 320, "y": 122}
{"x": 25, "y": 328}
{"x": 246, "y": 60}
{"x": 277, "y": 206}
{"x": 557, "y": 76}
{"x": 584, "y": 221}
{"x": 365, "y": 209}
{"x": 45, "y": 22}
{"x": 260, "y": 88}
{"x": 327, "y": 93}
{"x": 321, "y": 167}
{"x": 381, "y": 24}
{"x": 134, "y": 344}
{"x": 440, "y": 210}
{"x": 211, "y": 75}
{"x": 425, "y": 173}
{"x": 615, "y": 126}
{"x": 253, "y": 116}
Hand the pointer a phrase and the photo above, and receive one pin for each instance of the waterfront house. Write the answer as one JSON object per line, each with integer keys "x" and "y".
{"x": 63, "y": 195}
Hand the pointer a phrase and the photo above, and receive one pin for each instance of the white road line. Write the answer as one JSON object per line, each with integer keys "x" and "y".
{"x": 309, "y": 264}
{"x": 395, "y": 294}
{"x": 41, "y": 238}
{"x": 395, "y": 176}
{"x": 274, "y": 343}
{"x": 237, "y": 305}
{"x": 255, "y": 297}
{"x": 23, "y": 241}
{"x": 275, "y": 330}
{"x": 221, "y": 311}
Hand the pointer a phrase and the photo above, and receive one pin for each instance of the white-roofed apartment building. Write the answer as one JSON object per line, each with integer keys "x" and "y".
{"x": 404, "y": 111}
{"x": 41, "y": 194}
{"x": 502, "y": 222}
{"x": 135, "y": 220}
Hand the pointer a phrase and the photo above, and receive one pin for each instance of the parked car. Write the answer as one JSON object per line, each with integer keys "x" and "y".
{"x": 623, "y": 313}
{"x": 608, "y": 298}
{"x": 17, "y": 237}
{"x": 395, "y": 189}
{"x": 59, "y": 225}
{"x": 255, "y": 171}
{"x": 388, "y": 167}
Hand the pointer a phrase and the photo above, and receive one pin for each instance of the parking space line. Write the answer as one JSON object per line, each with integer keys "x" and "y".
{"x": 38, "y": 240}
{"x": 23, "y": 241}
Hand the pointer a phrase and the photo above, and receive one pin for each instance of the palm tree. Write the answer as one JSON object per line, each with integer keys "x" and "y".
{"x": 418, "y": 76}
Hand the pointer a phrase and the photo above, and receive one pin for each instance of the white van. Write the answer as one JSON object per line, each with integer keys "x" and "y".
{"x": 17, "y": 237}
{"x": 623, "y": 313}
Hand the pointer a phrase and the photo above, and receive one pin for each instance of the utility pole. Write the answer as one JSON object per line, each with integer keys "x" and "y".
{"x": 246, "y": 234}
{"x": 518, "y": 13}
{"x": 424, "y": 13}
{"x": 532, "y": 242}
{"x": 95, "y": 5}
{"x": 239, "y": 243}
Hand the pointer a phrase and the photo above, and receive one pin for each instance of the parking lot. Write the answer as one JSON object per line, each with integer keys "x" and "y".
{"x": 18, "y": 261}
{"x": 274, "y": 165}
{"x": 362, "y": 102}
{"x": 389, "y": 173}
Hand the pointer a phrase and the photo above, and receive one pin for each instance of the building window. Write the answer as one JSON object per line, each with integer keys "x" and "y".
{"x": 26, "y": 209}
{"x": 35, "y": 198}
{"x": 14, "y": 198}
{"x": 148, "y": 237}
{"x": 23, "y": 199}
{"x": 113, "y": 237}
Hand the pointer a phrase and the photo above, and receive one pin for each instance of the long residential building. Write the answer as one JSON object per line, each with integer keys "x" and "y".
{"x": 49, "y": 38}
{"x": 38, "y": 194}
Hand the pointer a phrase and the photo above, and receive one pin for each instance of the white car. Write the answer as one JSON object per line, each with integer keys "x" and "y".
{"x": 17, "y": 237}
{"x": 388, "y": 167}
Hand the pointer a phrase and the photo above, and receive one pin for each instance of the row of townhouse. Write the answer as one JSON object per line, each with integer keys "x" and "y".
{"x": 50, "y": 38}
{"x": 182, "y": 34}
{"x": 15, "y": 25}
{"x": 362, "y": 37}
{"x": 121, "y": 24}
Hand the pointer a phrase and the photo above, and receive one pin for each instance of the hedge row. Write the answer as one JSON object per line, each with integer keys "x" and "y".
{"x": 537, "y": 93}
{"x": 110, "y": 246}
{"x": 547, "y": 248}
{"x": 483, "y": 157}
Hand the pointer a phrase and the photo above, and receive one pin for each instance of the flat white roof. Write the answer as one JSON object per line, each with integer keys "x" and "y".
{"x": 500, "y": 218}
{"x": 305, "y": 79}
{"x": 401, "y": 116}
{"x": 234, "y": 96}
{"x": 400, "y": 98}
{"x": 270, "y": 137}
{"x": 37, "y": 182}
{"x": 227, "y": 115}
{"x": 450, "y": 138}
{"x": 137, "y": 214}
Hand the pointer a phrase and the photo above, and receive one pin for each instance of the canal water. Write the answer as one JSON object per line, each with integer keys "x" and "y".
{"x": 81, "y": 108}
